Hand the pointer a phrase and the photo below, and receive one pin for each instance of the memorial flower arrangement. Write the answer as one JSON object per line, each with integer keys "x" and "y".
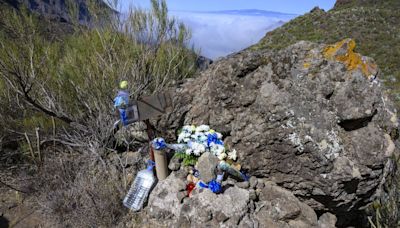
{"x": 194, "y": 141}
{"x": 201, "y": 139}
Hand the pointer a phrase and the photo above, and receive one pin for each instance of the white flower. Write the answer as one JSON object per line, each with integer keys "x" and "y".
{"x": 217, "y": 149}
{"x": 222, "y": 156}
{"x": 203, "y": 138}
{"x": 196, "y": 139}
{"x": 196, "y": 152}
{"x": 197, "y": 136}
{"x": 188, "y": 151}
{"x": 220, "y": 149}
{"x": 202, "y": 128}
{"x": 232, "y": 155}
{"x": 181, "y": 137}
{"x": 202, "y": 148}
{"x": 197, "y": 148}
{"x": 188, "y": 128}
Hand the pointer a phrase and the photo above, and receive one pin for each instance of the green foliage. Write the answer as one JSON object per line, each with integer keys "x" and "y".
{"x": 74, "y": 79}
{"x": 187, "y": 160}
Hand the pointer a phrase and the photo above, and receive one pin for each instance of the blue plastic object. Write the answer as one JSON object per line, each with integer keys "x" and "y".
{"x": 122, "y": 115}
{"x": 213, "y": 185}
{"x": 121, "y": 101}
{"x": 159, "y": 144}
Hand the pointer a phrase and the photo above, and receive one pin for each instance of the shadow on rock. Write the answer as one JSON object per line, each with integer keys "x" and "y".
{"x": 4, "y": 223}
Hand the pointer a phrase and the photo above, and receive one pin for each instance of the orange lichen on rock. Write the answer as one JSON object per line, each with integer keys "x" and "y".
{"x": 343, "y": 51}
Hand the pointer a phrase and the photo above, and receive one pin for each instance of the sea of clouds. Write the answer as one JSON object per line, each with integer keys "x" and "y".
{"x": 218, "y": 34}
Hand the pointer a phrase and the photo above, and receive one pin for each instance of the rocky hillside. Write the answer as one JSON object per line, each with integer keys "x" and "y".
{"x": 306, "y": 117}
{"x": 58, "y": 10}
{"x": 375, "y": 25}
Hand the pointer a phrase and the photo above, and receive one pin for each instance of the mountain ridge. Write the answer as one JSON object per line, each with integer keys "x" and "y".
{"x": 373, "y": 25}
{"x": 59, "y": 10}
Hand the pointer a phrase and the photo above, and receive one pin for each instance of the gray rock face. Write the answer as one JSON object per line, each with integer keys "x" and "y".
{"x": 227, "y": 208}
{"x": 165, "y": 199}
{"x": 235, "y": 207}
{"x": 280, "y": 206}
{"x": 308, "y": 123}
{"x": 206, "y": 166}
{"x": 174, "y": 164}
{"x": 166, "y": 203}
{"x": 58, "y": 9}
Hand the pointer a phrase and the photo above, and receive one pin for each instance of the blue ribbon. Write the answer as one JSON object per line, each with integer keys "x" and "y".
{"x": 159, "y": 144}
{"x": 213, "y": 185}
{"x": 202, "y": 185}
{"x": 150, "y": 165}
{"x": 245, "y": 176}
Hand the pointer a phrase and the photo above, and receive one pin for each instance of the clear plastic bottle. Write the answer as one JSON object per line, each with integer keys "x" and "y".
{"x": 140, "y": 189}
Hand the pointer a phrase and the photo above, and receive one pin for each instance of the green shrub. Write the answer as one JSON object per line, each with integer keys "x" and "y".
{"x": 75, "y": 79}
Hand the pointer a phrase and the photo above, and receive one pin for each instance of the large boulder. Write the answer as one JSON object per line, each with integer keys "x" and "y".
{"x": 310, "y": 123}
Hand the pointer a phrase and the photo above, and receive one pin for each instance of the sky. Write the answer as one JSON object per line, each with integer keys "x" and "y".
{"x": 220, "y": 33}
{"x": 285, "y": 6}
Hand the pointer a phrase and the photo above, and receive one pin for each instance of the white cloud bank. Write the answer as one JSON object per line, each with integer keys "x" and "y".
{"x": 218, "y": 34}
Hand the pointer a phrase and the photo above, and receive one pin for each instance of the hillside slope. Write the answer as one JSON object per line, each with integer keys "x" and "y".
{"x": 375, "y": 25}
{"x": 60, "y": 10}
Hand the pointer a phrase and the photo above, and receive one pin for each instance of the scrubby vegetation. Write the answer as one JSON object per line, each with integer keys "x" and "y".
{"x": 56, "y": 99}
{"x": 373, "y": 24}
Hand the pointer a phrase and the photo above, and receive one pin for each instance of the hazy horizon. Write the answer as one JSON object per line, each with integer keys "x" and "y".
{"x": 223, "y": 27}
{"x": 218, "y": 33}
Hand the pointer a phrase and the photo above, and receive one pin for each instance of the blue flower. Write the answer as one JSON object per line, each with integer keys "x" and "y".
{"x": 213, "y": 138}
